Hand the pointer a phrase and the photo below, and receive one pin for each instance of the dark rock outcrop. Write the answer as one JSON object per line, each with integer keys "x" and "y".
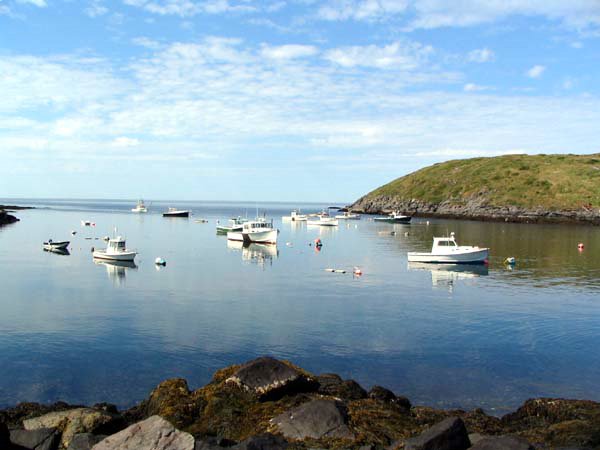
{"x": 449, "y": 434}
{"x": 6, "y": 218}
{"x": 332, "y": 384}
{"x": 39, "y": 439}
{"x": 265, "y": 441}
{"x": 4, "y": 436}
{"x": 269, "y": 378}
{"x": 385, "y": 395}
{"x": 316, "y": 419}
{"x": 502, "y": 443}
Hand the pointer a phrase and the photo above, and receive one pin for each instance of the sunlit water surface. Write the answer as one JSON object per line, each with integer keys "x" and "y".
{"x": 482, "y": 336}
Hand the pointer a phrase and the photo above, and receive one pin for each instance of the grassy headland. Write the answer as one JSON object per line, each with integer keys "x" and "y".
{"x": 514, "y": 187}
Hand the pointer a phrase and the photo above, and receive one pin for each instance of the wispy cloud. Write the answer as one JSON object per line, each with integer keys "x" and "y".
{"x": 290, "y": 51}
{"x": 402, "y": 55}
{"x": 481, "y": 55}
{"x": 536, "y": 71}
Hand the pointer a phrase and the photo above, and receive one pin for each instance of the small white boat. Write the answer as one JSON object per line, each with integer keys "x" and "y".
{"x": 87, "y": 223}
{"x": 259, "y": 230}
{"x": 235, "y": 224}
{"x": 324, "y": 221}
{"x": 295, "y": 216}
{"x": 445, "y": 250}
{"x": 394, "y": 217}
{"x": 115, "y": 251}
{"x": 140, "y": 207}
{"x": 174, "y": 212}
{"x": 348, "y": 216}
{"x": 51, "y": 245}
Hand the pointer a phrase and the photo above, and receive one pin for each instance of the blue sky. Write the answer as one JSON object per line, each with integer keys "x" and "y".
{"x": 284, "y": 99}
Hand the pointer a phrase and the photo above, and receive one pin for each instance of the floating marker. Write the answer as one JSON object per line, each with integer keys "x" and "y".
{"x": 357, "y": 271}
{"x": 160, "y": 262}
{"x": 580, "y": 246}
{"x": 510, "y": 260}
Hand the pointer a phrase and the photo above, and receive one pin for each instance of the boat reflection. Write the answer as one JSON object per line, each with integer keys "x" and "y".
{"x": 58, "y": 251}
{"x": 445, "y": 275}
{"x": 116, "y": 270}
{"x": 260, "y": 254}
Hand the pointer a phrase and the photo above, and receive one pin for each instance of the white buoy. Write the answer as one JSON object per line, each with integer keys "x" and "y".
{"x": 160, "y": 262}
{"x": 510, "y": 260}
{"x": 427, "y": 222}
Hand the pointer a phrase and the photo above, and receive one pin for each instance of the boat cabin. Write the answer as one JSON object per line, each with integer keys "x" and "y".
{"x": 444, "y": 242}
{"x": 116, "y": 244}
{"x": 257, "y": 225}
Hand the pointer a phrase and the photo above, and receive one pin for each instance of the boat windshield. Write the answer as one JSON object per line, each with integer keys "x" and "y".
{"x": 446, "y": 243}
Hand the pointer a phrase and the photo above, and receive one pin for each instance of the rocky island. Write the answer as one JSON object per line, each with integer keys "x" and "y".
{"x": 271, "y": 404}
{"x": 512, "y": 188}
{"x": 6, "y": 218}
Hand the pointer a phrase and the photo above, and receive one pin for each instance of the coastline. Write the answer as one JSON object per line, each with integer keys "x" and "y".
{"x": 475, "y": 210}
{"x": 271, "y": 404}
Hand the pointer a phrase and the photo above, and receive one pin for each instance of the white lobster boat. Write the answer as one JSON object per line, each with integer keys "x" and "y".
{"x": 324, "y": 221}
{"x": 115, "y": 251}
{"x": 348, "y": 216}
{"x": 295, "y": 216}
{"x": 394, "y": 217}
{"x": 140, "y": 207}
{"x": 52, "y": 245}
{"x": 259, "y": 230}
{"x": 445, "y": 250}
{"x": 174, "y": 212}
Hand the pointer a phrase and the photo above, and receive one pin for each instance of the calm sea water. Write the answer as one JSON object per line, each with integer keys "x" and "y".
{"x": 466, "y": 337}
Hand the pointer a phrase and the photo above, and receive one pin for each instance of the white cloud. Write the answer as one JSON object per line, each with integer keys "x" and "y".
{"x": 481, "y": 55}
{"x": 186, "y": 8}
{"x": 38, "y": 3}
{"x": 400, "y": 55}
{"x": 289, "y": 51}
{"x": 95, "y": 9}
{"x": 124, "y": 141}
{"x": 146, "y": 42}
{"x": 536, "y": 71}
{"x": 471, "y": 87}
{"x": 360, "y": 9}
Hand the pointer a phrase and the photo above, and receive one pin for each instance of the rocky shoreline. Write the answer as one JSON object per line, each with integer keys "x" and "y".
{"x": 6, "y": 218}
{"x": 475, "y": 208}
{"x": 271, "y": 404}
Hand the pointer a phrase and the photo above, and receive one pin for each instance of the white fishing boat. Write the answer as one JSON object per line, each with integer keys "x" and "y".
{"x": 324, "y": 221}
{"x": 445, "y": 250}
{"x": 348, "y": 216}
{"x": 52, "y": 245}
{"x": 140, "y": 207}
{"x": 115, "y": 251}
{"x": 295, "y": 216}
{"x": 174, "y": 212}
{"x": 259, "y": 230}
{"x": 235, "y": 224}
{"x": 394, "y": 217}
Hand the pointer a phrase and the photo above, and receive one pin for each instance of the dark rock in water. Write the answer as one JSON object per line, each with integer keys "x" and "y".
{"x": 332, "y": 384}
{"x": 6, "y": 218}
{"x": 449, "y": 434}
{"x": 316, "y": 419}
{"x": 271, "y": 379}
{"x": 85, "y": 441}
{"x": 385, "y": 395}
{"x": 502, "y": 443}
{"x": 40, "y": 439}
{"x": 265, "y": 441}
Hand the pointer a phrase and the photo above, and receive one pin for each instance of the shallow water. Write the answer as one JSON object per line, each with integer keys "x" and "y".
{"x": 475, "y": 336}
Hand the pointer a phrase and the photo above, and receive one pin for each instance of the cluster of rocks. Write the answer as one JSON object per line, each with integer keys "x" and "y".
{"x": 6, "y": 218}
{"x": 270, "y": 404}
{"x": 474, "y": 208}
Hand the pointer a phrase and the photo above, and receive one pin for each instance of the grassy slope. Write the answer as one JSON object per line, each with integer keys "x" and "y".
{"x": 559, "y": 182}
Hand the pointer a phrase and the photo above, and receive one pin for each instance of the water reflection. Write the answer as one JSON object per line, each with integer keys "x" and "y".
{"x": 260, "y": 254}
{"x": 445, "y": 275}
{"x": 116, "y": 270}
{"x": 58, "y": 251}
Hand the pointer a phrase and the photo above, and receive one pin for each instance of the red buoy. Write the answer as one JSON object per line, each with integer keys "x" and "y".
{"x": 580, "y": 246}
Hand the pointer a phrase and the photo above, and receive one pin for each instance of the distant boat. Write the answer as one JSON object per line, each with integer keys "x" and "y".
{"x": 140, "y": 207}
{"x": 115, "y": 251}
{"x": 348, "y": 216}
{"x": 87, "y": 223}
{"x": 52, "y": 246}
{"x": 259, "y": 230}
{"x": 295, "y": 216}
{"x": 445, "y": 250}
{"x": 174, "y": 212}
{"x": 394, "y": 217}
{"x": 324, "y": 221}
{"x": 235, "y": 224}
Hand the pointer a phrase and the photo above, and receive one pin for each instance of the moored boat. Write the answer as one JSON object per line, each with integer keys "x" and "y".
{"x": 235, "y": 225}
{"x": 259, "y": 230}
{"x": 140, "y": 207}
{"x": 115, "y": 251}
{"x": 445, "y": 250}
{"x": 394, "y": 217}
{"x": 295, "y": 216}
{"x": 324, "y": 221}
{"x": 348, "y": 216}
{"x": 52, "y": 245}
{"x": 174, "y": 212}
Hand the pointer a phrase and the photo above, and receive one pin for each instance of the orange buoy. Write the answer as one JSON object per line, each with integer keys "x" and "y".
{"x": 357, "y": 271}
{"x": 318, "y": 242}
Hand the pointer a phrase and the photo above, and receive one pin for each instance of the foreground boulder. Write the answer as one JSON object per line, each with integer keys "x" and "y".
{"x": 85, "y": 441}
{"x": 270, "y": 378}
{"x": 39, "y": 439}
{"x": 385, "y": 395}
{"x": 4, "y": 435}
{"x": 316, "y": 419}
{"x": 71, "y": 422}
{"x": 154, "y": 433}
{"x": 502, "y": 443}
{"x": 449, "y": 434}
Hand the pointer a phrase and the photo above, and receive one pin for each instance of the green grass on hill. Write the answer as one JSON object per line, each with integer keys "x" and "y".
{"x": 559, "y": 182}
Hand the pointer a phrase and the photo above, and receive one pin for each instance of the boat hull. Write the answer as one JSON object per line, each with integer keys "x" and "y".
{"x": 121, "y": 256}
{"x": 140, "y": 210}
{"x": 261, "y": 237}
{"x": 235, "y": 236}
{"x": 477, "y": 256}
{"x": 56, "y": 245}
{"x": 393, "y": 220}
{"x": 323, "y": 223}
{"x": 177, "y": 214}
{"x": 222, "y": 229}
